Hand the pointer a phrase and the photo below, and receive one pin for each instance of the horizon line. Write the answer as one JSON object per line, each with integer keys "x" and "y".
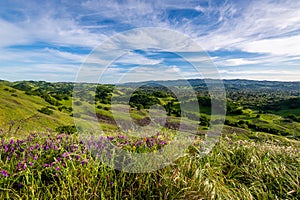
{"x": 149, "y": 81}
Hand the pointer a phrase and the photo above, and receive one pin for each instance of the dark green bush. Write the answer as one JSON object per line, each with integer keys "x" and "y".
{"x": 46, "y": 110}
{"x": 66, "y": 129}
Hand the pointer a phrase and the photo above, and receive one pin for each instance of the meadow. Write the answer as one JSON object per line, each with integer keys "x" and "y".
{"x": 59, "y": 166}
{"x": 44, "y": 156}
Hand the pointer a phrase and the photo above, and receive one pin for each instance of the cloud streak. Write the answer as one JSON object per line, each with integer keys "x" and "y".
{"x": 270, "y": 30}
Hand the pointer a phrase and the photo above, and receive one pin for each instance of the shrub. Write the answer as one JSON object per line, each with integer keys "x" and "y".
{"x": 46, "y": 110}
{"x": 66, "y": 129}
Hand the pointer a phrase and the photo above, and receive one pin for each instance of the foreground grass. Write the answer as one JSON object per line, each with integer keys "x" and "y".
{"x": 61, "y": 168}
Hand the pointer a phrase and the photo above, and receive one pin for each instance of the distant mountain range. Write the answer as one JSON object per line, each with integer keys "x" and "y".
{"x": 229, "y": 84}
{"x": 232, "y": 83}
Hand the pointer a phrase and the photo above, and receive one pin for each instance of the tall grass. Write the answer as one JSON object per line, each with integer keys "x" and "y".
{"x": 234, "y": 169}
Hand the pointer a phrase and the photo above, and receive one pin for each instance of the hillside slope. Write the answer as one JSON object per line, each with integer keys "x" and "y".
{"x": 19, "y": 112}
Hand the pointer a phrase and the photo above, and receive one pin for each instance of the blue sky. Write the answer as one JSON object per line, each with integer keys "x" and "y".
{"x": 49, "y": 40}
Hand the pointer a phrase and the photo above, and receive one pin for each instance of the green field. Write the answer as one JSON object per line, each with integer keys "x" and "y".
{"x": 44, "y": 156}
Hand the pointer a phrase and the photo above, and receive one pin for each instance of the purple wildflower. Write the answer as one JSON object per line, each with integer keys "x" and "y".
{"x": 122, "y": 137}
{"x": 24, "y": 166}
{"x": 64, "y": 155}
{"x": 30, "y": 163}
{"x": 20, "y": 141}
{"x": 4, "y": 173}
{"x": 13, "y": 149}
{"x": 83, "y": 162}
{"x": 59, "y": 137}
{"x": 152, "y": 143}
{"x": 20, "y": 185}
{"x": 57, "y": 168}
{"x": 110, "y": 137}
{"x": 19, "y": 166}
{"x": 45, "y": 165}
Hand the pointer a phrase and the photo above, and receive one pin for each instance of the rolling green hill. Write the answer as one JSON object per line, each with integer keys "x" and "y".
{"x": 19, "y": 112}
{"x": 255, "y": 106}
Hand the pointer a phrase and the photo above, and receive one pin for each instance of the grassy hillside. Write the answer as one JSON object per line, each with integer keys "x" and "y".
{"x": 19, "y": 113}
{"x": 254, "y": 106}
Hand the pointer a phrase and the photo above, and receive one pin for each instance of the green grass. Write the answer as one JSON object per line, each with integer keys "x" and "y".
{"x": 19, "y": 113}
{"x": 234, "y": 169}
{"x": 271, "y": 121}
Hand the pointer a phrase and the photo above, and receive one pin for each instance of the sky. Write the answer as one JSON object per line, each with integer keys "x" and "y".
{"x": 53, "y": 40}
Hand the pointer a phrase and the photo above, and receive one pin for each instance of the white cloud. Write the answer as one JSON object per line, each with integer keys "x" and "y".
{"x": 274, "y": 75}
{"x": 11, "y": 34}
{"x": 257, "y": 26}
{"x": 239, "y": 61}
{"x": 287, "y": 46}
{"x": 137, "y": 59}
{"x": 66, "y": 55}
{"x": 47, "y": 72}
{"x": 277, "y": 61}
{"x": 133, "y": 13}
{"x": 62, "y": 32}
{"x": 148, "y": 73}
{"x": 41, "y": 56}
{"x": 49, "y": 24}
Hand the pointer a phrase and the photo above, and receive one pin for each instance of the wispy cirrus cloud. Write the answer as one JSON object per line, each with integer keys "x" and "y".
{"x": 239, "y": 35}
